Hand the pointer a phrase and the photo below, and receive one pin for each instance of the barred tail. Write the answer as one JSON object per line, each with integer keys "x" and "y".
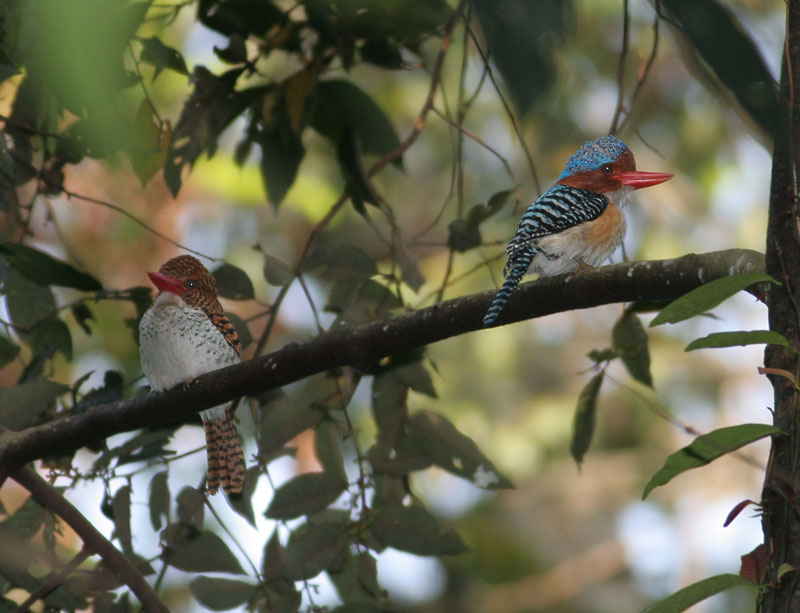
{"x": 518, "y": 269}
{"x": 225, "y": 455}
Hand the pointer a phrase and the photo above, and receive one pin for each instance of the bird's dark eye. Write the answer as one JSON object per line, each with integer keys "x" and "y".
{"x": 607, "y": 169}
{"x": 191, "y": 284}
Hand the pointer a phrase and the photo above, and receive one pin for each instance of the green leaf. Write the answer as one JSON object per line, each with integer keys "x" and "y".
{"x": 415, "y": 530}
{"x": 583, "y": 422}
{"x": 51, "y": 336}
{"x": 28, "y": 303}
{"x": 203, "y": 553}
{"x": 82, "y": 314}
{"x": 44, "y": 269}
{"x": 463, "y": 235}
{"x": 233, "y": 282}
{"x": 725, "y": 46}
{"x": 732, "y": 339}
{"x": 341, "y": 261}
{"x": 282, "y": 419}
{"x": 243, "y": 504}
{"x": 708, "y": 296}
{"x": 707, "y": 448}
{"x": 281, "y": 154}
{"x": 328, "y": 445}
{"x": 315, "y": 545}
{"x": 241, "y": 17}
{"x": 304, "y": 495}
{"x": 159, "y": 499}
{"x": 121, "y": 507}
{"x": 191, "y": 505}
{"x": 455, "y": 452}
{"x": 630, "y": 342}
{"x": 276, "y": 272}
{"x": 339, "y": 104}
{"x": 161, "y": 56}
{"x": 8, "y": 350}
{"x": 516, "y": 29}
{"x": 21, "y": 405}
{"x": 692, "y": 594}
{"x": 351, "y": 162}
{"x": 356, "y": 579}
{"x": 221, "y": 594}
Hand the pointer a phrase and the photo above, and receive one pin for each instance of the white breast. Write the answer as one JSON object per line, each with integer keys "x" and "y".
{"x": 178, "y": 342}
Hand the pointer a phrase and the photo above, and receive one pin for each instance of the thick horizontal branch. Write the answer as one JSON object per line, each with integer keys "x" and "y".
{"x": 364, "y": 345}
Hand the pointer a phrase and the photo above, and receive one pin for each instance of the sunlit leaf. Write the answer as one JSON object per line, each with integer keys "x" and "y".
{"x": 707, "y": 448}
{"x": 583, "y": 422}
{"x": 692, "y": 594}
{"x": 43, "y": 269}
{"x": 233, "y": 283}
{"x": 313, "y": 546}
{"x": 733, "y": 339}
{"x": 221, "y": 594}
{"x": 708, "y": 296}
{"x": 631, "y": 343}
{"x": 304, "y": 495}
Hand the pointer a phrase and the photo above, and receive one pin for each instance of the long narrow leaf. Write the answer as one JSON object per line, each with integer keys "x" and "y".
{"x": 741, "y": 338}
{"x": 692, "y": 594}
{"x": 706, "y": 448}
{"x": 708, "y": 296}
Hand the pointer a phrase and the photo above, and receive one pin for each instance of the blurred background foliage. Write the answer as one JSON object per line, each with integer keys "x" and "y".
{"x": 261, "y": 114}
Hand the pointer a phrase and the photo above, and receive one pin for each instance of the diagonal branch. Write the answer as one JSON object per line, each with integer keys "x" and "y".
{"x": 363, "y": 346}
{"x": 92, "y": 540}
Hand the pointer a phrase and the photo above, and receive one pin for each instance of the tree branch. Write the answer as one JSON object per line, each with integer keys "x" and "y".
{"x": 364, "y": 345}
{"x": 92, "y": 539}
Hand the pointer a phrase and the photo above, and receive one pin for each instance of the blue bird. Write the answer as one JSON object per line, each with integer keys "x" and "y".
{"x": 578, "y": 221}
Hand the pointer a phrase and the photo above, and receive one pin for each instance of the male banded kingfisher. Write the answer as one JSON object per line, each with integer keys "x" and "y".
{"x": 578, "y": 221}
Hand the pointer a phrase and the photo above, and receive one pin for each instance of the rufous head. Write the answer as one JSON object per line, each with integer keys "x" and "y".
{"x": 186, "y": 277}
{"x": 606, "y": 165}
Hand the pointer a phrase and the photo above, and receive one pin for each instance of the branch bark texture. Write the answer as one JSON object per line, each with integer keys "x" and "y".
{"x": 363, "y": 346}
{"x": 781, "y": 522}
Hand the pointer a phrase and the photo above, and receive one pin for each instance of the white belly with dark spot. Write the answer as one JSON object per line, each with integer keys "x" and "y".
{"x": 179, "y": 342}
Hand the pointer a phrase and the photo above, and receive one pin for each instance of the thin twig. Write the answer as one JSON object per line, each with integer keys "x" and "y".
{"x": 54, "y": 581}
{"x": 621, "y": 68}
{"x": 647, "y": 67}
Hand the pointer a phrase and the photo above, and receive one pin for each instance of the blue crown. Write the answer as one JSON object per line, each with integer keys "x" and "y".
{"x": 593, "y": 155}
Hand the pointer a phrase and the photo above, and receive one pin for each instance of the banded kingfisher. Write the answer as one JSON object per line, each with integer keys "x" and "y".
{"x": 578, "y": 222}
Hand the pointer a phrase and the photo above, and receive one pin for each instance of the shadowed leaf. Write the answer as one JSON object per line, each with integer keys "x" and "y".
{"x": 159, "y": 499}
{"x": 630, "y": 342}
{"x": 583, "y": 422}
{"x": 232, "y": 282}
{"x": 44, "y": 269}
{"x": 314, "y": 546}
{"x": 415, "y": 530}
{"x": 203, "y": 553}
{"x": 221, "y": 594}
{"x": 305, "y": 495}
{"x": 21, "y": 405}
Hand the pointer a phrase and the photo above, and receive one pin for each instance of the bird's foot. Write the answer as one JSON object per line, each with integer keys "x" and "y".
{"x": 581, "y": 266}
{"x": 188, "y": 382}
